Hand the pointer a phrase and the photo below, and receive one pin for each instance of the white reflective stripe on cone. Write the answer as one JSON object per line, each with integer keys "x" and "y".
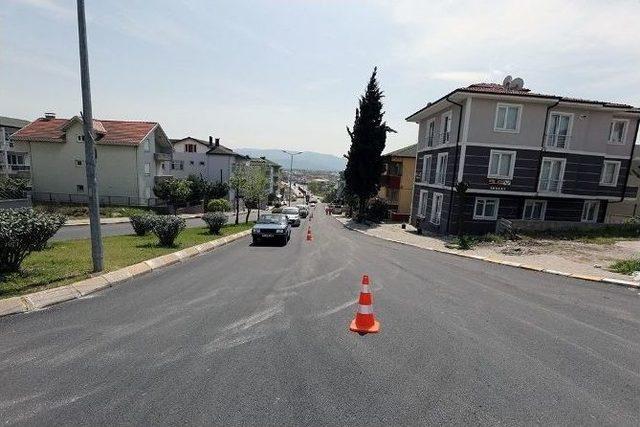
{"x": 365, "y": 309}
{"x": 364, "y": 289}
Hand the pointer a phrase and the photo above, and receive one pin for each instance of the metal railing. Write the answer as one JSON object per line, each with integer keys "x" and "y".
{"x": 557, "y": 140}
{"x": 550, "y": 185}
{"x": 15, "y": 168}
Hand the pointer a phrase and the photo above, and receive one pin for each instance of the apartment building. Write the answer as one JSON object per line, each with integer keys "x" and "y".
{"x": 14, "y": 156}
{"x": 525, "y": 155}
{"x": 396, "y": 182}
{"x": 131, "y": 157}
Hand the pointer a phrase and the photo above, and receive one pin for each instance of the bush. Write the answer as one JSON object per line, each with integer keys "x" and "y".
{"x": 167, "y": 228}
{"x": 23, "y": 231}
{"x": 142, "y": 224}
{"x": 13, "y": 188}
{"x": 219, "y": 205}
{"x": 215, "y": 221}
{"x": 377, "y": 210}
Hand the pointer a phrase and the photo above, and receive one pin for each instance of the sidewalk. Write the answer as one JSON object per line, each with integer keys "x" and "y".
{"x": 125, "y": 219}
{"x": 566, "y": 258}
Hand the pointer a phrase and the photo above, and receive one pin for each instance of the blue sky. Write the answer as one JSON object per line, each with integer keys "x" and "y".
{"x": 287, "y": 73}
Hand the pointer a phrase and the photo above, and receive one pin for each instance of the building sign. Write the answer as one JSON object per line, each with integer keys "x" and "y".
{"x": 499, "y": 184}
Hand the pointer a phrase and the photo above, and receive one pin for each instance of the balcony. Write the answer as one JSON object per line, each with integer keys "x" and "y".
{"x": 391, "y": 181}
{"x": 557, "y": 141}
{"x": 158, "y": 178}
{"x": 162, "y": 157}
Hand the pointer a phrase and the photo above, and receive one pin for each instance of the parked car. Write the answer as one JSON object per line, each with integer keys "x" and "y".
{"x": 271, "y": 227}
{"x": 293, "y": 215}
{"x": 304, "y": 210}
{"x": 336, "y": 209}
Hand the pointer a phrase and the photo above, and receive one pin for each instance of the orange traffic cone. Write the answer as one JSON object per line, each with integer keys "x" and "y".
{"x": 309, "y": 236}
{"x": 365, "y": 322}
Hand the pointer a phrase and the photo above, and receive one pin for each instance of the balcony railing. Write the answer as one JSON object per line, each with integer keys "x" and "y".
{"x": 550, "y": 185}
{"x": 162, "y": 157}
{"x": 557, "y": 140}
{"x": 15, "y": 168}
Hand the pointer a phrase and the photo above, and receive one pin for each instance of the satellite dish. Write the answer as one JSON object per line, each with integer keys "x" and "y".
{"x": 507, "y": 81}
{"x": 517, "y": 83}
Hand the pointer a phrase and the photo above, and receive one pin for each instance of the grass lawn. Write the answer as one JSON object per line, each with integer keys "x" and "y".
{"x": 70, "y": 261}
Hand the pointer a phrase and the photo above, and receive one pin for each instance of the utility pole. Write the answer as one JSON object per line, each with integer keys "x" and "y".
{"x": 291, "y": 153}
{"x": 89, "y": 150}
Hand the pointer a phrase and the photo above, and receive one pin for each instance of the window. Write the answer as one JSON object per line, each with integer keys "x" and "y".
{"x": 441, "y": 168}
{"x": 507, "y": 118}
{"x": 534, "y": 209}
{"x": 80, "y": 188}
{"x": 486, "y": 208}
{"x": 394, "y": 194}
{"x": 190, "y": 148}
{"x": 201, "y": 163}
{"x": 559, "y": 130}
{"x": 610, "y": 172}
{"x": 78, "y": 162}
{"x": 16, "y": 159}
{"x": 446, "y": 127}
{"x": 551, "y": 175}
{"x": 431, "y": 132}
{"x": 146, "y": 145}
{"x": 394, "y": 168}
{"x": 436, "y": 208}
{"x": 590, "y": 211}
{"x": 617, "y": 131}
{"x": 422, "y": 205}
{"x": 147, "y": 168}
{"x": 501, "y": 164}
{"x": 179, "y": 164}
{"x": 426, "y": 169}
{"x": 191, "y": 162}
{"x": 80, "y": 138}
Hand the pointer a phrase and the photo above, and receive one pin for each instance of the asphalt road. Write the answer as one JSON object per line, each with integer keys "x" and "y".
{"x": 258, "y": 335}
{"x": 82, "y": 231}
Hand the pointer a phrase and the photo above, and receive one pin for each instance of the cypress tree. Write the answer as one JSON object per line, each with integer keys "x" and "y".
{"x": 368, "y": 138}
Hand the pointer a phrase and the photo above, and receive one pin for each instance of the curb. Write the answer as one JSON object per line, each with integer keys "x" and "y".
{"x": 46, "y": 298}
{"x": 625, "y": 283}
{"x": 121, "y": 220}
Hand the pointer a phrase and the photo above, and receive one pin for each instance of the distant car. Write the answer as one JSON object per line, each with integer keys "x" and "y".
{"x": 292, "y": 214}
{"x": 336, "y": 209}
{"x": 313, "y": 202}
{"x": 272, "y": 227}
{"x": 304, "y": 210}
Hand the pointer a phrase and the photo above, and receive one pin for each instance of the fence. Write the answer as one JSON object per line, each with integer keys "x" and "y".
{"x": 67, "y": 198}
{"x": 15, "y": 203}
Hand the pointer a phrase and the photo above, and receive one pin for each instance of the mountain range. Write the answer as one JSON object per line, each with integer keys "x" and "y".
{"x": 308, "y": 160}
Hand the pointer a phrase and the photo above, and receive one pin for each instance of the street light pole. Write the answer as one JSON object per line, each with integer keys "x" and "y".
{"x": 291, "y": 153}
{"x": 89, "y": 150}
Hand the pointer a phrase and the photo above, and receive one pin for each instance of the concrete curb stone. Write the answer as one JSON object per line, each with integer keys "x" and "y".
{"x": 79, "y": 289}
{"x": 51, "y": 296}
{"x": 12, "y": 306}
{"x": 508, "y": 263}
{"x": 89, "y": 286}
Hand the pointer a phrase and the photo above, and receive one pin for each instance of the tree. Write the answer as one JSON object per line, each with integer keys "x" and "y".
{"x": 203, "y": 190}
{"x": 368, "y": 138}
{"x": 255, "y": 189}
{"x": 173, "y": 191}
{"x": 238, "y": 182}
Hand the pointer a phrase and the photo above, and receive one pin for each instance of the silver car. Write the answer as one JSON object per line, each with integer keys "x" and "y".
{"x": 293, "y": 215}
{"x": 304, "y": 210}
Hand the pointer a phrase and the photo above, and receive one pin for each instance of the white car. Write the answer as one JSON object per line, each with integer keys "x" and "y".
{"x": 293, "y": 215}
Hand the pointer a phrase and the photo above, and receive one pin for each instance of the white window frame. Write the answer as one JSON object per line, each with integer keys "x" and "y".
{"x": 443, "y": 132}
{"x": 554, "y": 136}
{"x": 585, "y": 210}
{"x": 78, "y": 163}
{"x": 426, "y": 169}
{"x": 422, "y": 203}
{"x": 625, "y": 128}
{"x": 147, "y": 146}
{"x": 485, "y": 200}
{"x": 543, "y": 211}
{"x": 520, "y": 108}
{"x": 147, "y": 169}
{"x": 563, "y": 164}
{"x": 439, "y": 172}
{"x": 435, "y": 214}
{"x": 80, "y": 139}
{"x": 501, "y": 153}
{"x": 616, "y": 173}
{"x": 429, "y": 142}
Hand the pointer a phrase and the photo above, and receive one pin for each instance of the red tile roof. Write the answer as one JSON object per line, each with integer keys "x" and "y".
{"x": 114, "y": 132}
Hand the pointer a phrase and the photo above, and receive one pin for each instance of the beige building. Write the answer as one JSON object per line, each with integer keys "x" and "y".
{"x": 131, "y": 157}
{"x": 396, "y": 182}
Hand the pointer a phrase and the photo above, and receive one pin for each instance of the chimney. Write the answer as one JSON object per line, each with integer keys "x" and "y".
{"x": 210, "y": 141}
{"x": 217, "y": 142}
{"x": 49, "y": 115}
